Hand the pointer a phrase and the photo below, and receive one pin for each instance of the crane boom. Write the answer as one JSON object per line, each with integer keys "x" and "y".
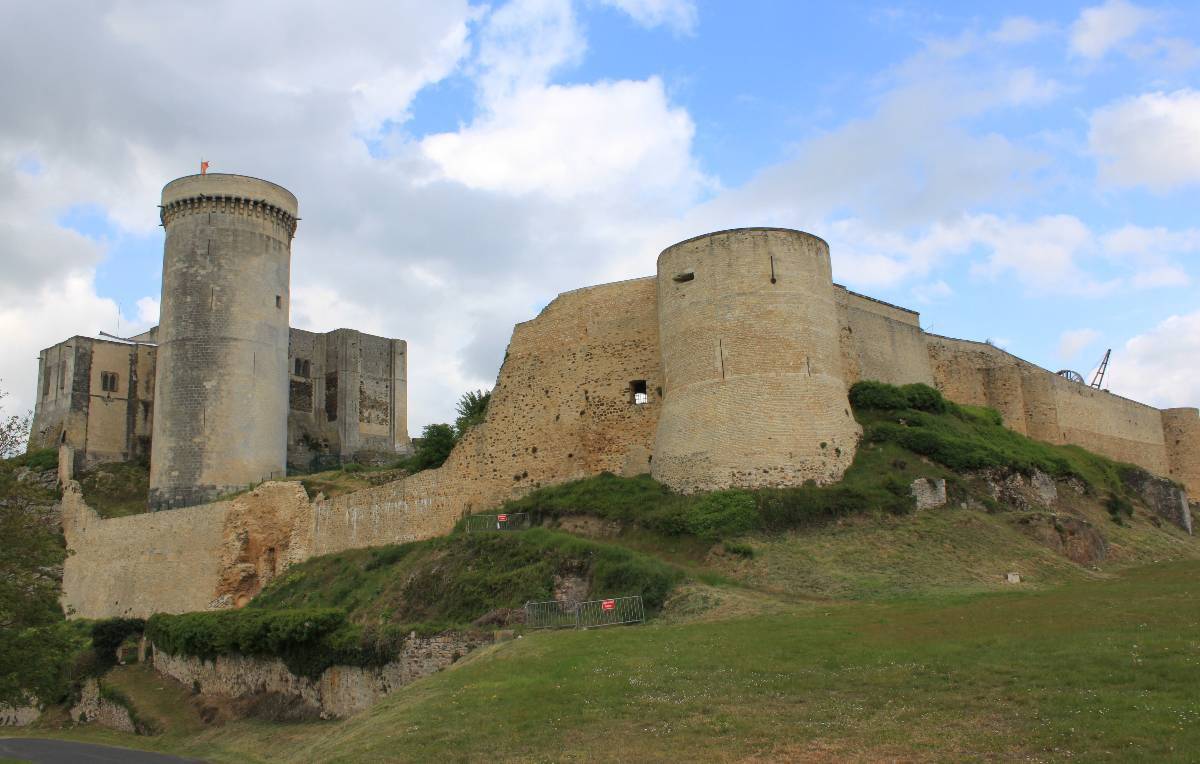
{"x": 1098, "y": 380}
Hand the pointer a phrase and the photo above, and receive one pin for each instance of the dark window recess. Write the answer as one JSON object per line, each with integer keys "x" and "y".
{"x": 679, "y": 278}
{"x": 300, "y": 395}
{"x": 638, "y": 393}
{"x": 299, "y": 365}
{"x": 278, "y": 301}
{"x": 46, "y": 383}
{"x": 303, "y": 368}
{"x": 108, "y": 381}
{"x": 331, "y": 390}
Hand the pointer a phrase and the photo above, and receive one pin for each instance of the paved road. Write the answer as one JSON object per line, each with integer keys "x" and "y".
{"x": 68, "y": 752}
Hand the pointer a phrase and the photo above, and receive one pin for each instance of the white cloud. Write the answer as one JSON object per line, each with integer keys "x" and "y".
{"x": 148, "y": 311}
{"x": 1099, "y": 28}
{"x": 571, "y": 141}
{"x": 1151, "y": 140}
{"x": 1162, "y": 365}
{"x": 932, "y": 292}
{"x": 1017, "y": 30}
{"x": 678, "y": 15}
{"x": 1073, "y": 342}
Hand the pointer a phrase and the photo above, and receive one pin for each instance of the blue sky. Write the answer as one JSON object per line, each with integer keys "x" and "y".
{"x": 1018, "y": 171}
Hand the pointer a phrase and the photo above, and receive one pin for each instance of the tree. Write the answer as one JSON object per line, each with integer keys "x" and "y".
{"x": 472, "y": 408}
{"x": 437, "y": 441}
{"x": 14, "y": 432}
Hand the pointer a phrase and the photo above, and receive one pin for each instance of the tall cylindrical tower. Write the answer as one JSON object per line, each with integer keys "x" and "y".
{"x": 1181, "y": 429}
{"x": 220, "y": 408}
{"x": 754, "y": 394}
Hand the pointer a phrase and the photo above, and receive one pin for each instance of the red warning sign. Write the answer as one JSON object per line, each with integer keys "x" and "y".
{"x": 502, "y": 518}
{"x": 609, "y": 604}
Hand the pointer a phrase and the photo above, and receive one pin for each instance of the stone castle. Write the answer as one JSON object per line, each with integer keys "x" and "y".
{"x": 223, "y": 393}
{"x": 730, "y": 367}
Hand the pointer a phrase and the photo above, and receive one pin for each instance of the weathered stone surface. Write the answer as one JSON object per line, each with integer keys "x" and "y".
{"x": 1017, "y": 491}
{"x": 929, "y": 494}
{"x": 340, "y": 690}
{"x": 19, "y": 716}
{"x": 94, "y": 709}
{"x": 1072, "y": 537}
{"x": 1163, "y": 498}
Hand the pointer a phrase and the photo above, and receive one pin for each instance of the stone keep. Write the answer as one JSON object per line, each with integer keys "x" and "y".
{"x": 754, "y": 393}
{"x": 221, "y": 383}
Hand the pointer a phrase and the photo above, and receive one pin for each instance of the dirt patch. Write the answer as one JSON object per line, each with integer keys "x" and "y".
{"x": 589, "y": 527}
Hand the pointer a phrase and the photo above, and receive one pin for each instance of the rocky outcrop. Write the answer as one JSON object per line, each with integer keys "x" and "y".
{"x": 928, "y": 494}
{"x": 19, "y": 716}
{"x": 1072, "y": 537}
{"x": 339, "y": 691}
{"x": 1020, "y": 491}
{"x": 94, "y": 708}
{"x": 1165, "y": 499}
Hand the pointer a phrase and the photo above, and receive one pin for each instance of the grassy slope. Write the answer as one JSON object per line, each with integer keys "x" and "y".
{"x": 1087, "y": 670}
{"x": 116, "y": 489}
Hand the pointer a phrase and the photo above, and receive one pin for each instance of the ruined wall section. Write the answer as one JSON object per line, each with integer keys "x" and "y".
{"x": 1182, "y": 432}
{"x": 880, "y": 341}
{"x": 75, "y": 407}
{"x": 563, "y": 408}
{"x": 142, "y": 564}
{"x": 1042, "y": 405}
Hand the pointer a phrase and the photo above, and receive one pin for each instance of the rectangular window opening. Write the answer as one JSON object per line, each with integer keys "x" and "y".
{"x": 278, "y": 301}
{"x": 639, "y": 392}
{"x": 108, "y": 381}
{"x": 679, "y": 278}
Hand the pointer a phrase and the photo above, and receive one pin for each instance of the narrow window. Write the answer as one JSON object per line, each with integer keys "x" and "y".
{"x": 306, "y": 370}
{"x": 108, "y": 381}
{"x": 299, "y": 366}
{"x": 46, "y": 383}
{"x": 637, "y": 389}
{"x": 679, "y": 278}
{"x": 278, "y": 301}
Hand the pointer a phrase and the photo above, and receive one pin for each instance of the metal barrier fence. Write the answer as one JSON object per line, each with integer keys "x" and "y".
{"x": 517, "y": 521}
{"x": 557, "y": 614}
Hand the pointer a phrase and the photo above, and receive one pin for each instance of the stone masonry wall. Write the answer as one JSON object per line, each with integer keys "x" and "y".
{"x": 1181, "y": 428}
{"x": 880, "y": 341}
{"x": 1042, "y": 405}
{"x": 142, "y": 564}
{"x": 340, "y": 690}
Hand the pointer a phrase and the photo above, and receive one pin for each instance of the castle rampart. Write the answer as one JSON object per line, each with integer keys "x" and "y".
{"x": 222, "y": 377}
{"x": 702, "y": 381}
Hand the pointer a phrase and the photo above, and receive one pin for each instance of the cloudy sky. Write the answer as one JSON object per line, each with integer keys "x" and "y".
{"x": 1025, "y": 172}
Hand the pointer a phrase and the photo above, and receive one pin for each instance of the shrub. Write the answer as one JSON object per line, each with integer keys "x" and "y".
{"x": 352, "y": 467}
{"x": 1118, "y": 508}
{"x": 38, "y": 460}
{"x": 720, "y": 514}
{"x": 308, "y": 640}
{"x": 925, "y": 398}
{"x": 871, "y": 395}
{"x": 739, "y": 549}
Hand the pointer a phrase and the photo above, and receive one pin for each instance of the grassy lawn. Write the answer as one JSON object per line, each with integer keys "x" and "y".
{"x": 1088, "y": 670}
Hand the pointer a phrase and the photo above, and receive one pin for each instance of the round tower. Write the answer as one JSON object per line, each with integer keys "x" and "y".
{"x": 1181, "y": 429}
{"x": 754, "y": 394}
{"x": 220, "y": 399}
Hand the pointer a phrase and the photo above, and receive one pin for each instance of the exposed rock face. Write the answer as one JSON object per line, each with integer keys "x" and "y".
{"x": 339, "y": 691}
{"x": 264, "y": 532}
{"x": 1021, "y": 492}
{"x": 570, "y": 588}
{"x": 1162, "y": 497}
{"x": 1073, "y": 537}
{"x": 929, "y": 494}
{"x": 19, "y": 716}
{"x": 94, "y": 709}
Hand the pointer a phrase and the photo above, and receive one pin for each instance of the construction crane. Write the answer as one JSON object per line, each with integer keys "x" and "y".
{"x": 1098, "y": 380}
